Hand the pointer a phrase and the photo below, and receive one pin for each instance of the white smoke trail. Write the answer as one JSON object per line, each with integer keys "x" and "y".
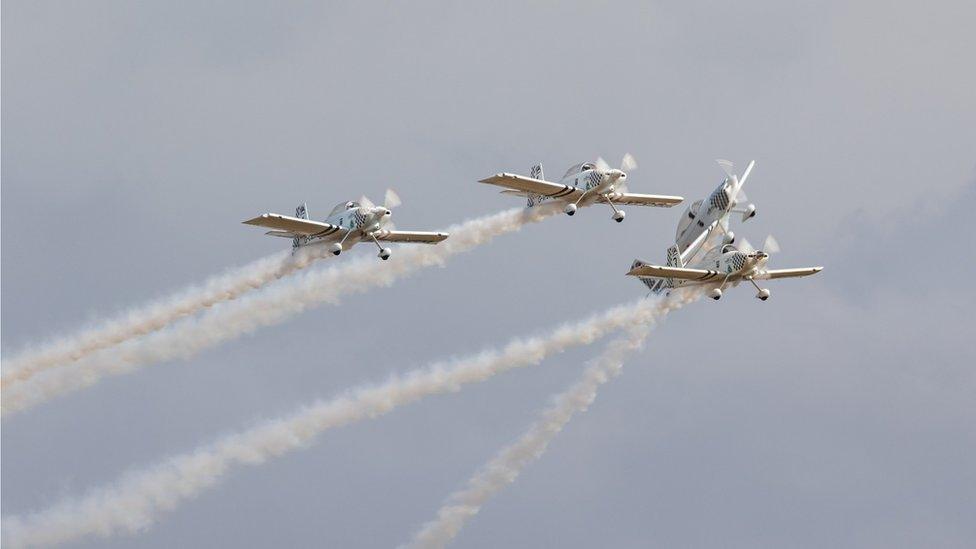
{"x": 135, "y": 501}
{"x": 156, "y": 315}
{"x": 269, "y": 307}
{"x": 505, "y": 467}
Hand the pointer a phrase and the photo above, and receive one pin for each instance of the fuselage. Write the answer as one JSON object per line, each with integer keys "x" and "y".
{"x": 358, "y": 219}
{"x": 589, "y": 178}
{"x": 701, "y": 214}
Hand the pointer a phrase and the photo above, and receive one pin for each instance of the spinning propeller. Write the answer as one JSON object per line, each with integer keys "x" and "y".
{"x": 390, "y": 200}
{"x": 738, "y": 195}
{"x": 627, "y": 164}
{"x": 770, "y": 246}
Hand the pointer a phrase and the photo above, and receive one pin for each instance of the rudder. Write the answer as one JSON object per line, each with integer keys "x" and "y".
{"x": 301, "y": 212}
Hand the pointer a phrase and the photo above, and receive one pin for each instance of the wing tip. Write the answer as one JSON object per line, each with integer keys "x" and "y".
{"x": 491, "y": 178}
{"x": 256, "y": 220}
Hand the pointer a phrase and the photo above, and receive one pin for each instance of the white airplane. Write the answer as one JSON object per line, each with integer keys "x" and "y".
{"x": 726, "y": 264}
{"x": 583, "y": 184}
{"x": 347, "y": 224}
{"x": 713, "y": 213}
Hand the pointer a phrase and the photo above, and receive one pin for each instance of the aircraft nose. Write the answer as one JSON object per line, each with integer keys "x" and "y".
{"x": 388, "y": 212}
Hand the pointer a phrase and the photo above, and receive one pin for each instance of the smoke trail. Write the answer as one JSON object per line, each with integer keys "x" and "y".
{"x": 505, "y": 467}
{"x": 274, "y": 305}
{"x": 135, "y": 501}
{"x": 156, "y": 315}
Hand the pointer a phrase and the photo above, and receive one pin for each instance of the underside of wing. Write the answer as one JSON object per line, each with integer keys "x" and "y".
{"x": 286, "y": 223}
{"x": 421, "y": 237}
{"x": 635, "y": 199}
{"x": 699, "y": 275}
{"x": 282, "y": 234}
{"x": 534, "y": 186}
{"x": 789, "y": 273}
{"x": 698, "y": 243}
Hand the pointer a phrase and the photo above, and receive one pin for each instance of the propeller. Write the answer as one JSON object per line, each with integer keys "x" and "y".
{"x": 770, "y": 245}
{"x": 746, "y": 248}
{"x": 629, "y": 163}
{"x": 737, "y": 182}
{"x": 727, "y": 167}
{"x": 391, "y": 199}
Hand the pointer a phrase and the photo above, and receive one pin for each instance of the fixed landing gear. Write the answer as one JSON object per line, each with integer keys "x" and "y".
{"x": 716, "y": 293}
{"x": 385, "y": 253}
{"x": 763, "y": 294}
{"x": 336, "y": 248}
{"x": 570, "y": 209}
{"x": 618, "y": 215}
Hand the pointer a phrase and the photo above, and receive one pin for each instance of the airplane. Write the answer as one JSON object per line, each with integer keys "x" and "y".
{"x": 727, "y": 264}
{"x": 705, "y": 216}
{"x": 583, "y": 184}
{"x": 347, "y": 224}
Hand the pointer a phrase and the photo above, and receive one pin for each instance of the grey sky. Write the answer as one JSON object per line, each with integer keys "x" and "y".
{"x": 136, "y": 138}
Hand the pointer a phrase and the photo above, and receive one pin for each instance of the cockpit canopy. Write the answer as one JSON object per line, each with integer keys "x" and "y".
{"x": 343, "y": 206}
{"x": 579, "y": 168}
{"x": 729, "y": 248}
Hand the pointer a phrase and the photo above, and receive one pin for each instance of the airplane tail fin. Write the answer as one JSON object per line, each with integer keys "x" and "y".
{"x": 674, "y": 257}
{"x": 301, "y": 212}
{"x": 536, "y": 199}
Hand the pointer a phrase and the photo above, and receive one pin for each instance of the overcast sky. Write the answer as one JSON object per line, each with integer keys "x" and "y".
{"x": 136, "y": 137}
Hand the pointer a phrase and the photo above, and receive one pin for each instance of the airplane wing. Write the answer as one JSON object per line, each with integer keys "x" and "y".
{"x": 286, "y": 223}
{"x": 788, "y": 273}
{"x": 411, "y": 236}
{"x": 698, "y": 275}
{"x": 534, "y": 186}
{"x": 697, "y": 244}
{"x": 635, "y": 199}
